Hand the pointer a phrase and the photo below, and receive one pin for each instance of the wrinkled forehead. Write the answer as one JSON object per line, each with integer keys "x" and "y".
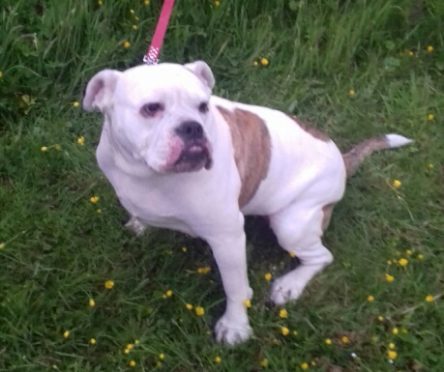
{"x": 158, "y": 83}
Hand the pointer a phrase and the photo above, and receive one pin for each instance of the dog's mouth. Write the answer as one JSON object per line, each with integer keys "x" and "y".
{"x": 194, "y": 156}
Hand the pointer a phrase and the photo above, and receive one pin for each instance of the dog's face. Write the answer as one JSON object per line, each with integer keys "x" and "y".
{"x": 157, "y": 114}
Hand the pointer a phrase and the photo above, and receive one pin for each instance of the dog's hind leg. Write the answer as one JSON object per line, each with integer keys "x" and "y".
{"x": 299, "y": 230}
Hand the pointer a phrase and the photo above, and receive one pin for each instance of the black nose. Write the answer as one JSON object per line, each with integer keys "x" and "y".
{"x": 190, "y": 130}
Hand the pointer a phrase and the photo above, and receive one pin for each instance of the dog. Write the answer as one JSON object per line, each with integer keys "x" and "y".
{"x": 180, "y": 158}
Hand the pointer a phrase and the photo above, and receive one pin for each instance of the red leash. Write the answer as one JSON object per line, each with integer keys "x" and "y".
{"x": 151, "y": 56}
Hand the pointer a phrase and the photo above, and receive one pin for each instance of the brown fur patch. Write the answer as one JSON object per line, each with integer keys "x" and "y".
{"x": 252, "y": 149}
{"x": 327, "y": 210}
{"x": 314, "y": 132}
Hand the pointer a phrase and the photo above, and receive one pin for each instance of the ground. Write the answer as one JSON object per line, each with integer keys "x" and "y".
{"x": 80, "y": 293}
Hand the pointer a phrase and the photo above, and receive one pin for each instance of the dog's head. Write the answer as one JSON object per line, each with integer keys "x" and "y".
{"x": 157, "y": 114}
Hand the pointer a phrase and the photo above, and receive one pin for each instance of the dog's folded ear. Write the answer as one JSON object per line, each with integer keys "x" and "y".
{"x": 99, "y": 91}
{"x": 203, "y": 72}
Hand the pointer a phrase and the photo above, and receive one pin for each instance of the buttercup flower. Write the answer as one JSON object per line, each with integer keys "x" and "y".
{"x": 392, "y": 355}
{"x": 66, "y": 334}
{"x": 146, "y": 2}
{"x": 94, "y": 199}
{"x": 395, "y": 331}
{"x": 2, "y": 246}
{"x": 420, "y": 257}
{"x": 430, "y": 117}
{"x": 126, "y": 44}
{"x": 43, "y": 148}
{"x": 189, "y": 306}
{"x": 328, "y": 341}
{"x": 1, "y": 75}
{"x": 91, "y": 302}
{"x": 216, "y": 3}
{"x": 199, "y": 310}
{"x": 135, "y": 27}
{"x": 285, "y": 331}
{"x": 429, "y": 298}
{"x": 351, "y": 93}
{"x": 246, "y": 303}
{"x": 305, "y": 366}
{"x": 283, "y": 313}
{"x": 430, "y": 49}
{"x": 345, "y": 340}
{"x": 370, "y": 298}
{"x": 264, "y": 363}
{"x": 162, "y": 356}
{"x": 381, "y": 318}
{"x": 217, "y": 359}
{"x": 268, "y": 277}
{"x": 391, "y": 346}
{"x": 75, "y": 104}
{"x": 264, "y": 61}
{"x": 396, "y": 184}
{"x": 109, "y": 284}
{"x": 132, "y": 363}
{"x": 203, "y": 270}
{"x": 403, "y": 262}
{"x": 92, "y": 341}
{"x": 168, "y": 294}
{"x": 80, "y": 140}
{"x": 389, "y": 278}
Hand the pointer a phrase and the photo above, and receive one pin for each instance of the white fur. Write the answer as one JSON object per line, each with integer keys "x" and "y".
{"x": 396, "y": 140}
{"x": 304, "y": 175}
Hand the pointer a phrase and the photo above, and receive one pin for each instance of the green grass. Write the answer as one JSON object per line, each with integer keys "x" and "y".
{"x": 58, "y": 250}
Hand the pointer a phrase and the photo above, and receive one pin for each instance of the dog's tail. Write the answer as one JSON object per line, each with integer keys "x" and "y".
{"x": 358, "y": 153}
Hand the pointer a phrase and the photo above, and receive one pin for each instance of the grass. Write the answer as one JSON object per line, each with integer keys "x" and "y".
{"x": 57, "y": 248}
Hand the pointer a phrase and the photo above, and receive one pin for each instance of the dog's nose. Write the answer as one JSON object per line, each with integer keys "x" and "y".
{"x": 190, "y": 130}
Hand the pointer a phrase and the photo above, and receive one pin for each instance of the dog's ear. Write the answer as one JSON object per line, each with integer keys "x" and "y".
{"x": 100, "y": 89}
{"x": 203, "y": 72}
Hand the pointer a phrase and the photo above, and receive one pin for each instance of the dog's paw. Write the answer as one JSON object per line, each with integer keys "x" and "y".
{"x": 135, "y": 226}
{"x": 232, "y": 333}
{"x": 285, "y": 289}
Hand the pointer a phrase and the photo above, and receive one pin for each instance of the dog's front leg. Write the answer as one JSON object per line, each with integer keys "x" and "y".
{"x": 230, "y": 254}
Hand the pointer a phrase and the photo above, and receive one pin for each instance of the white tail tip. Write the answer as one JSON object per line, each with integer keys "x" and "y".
{"x": 396, "y": 140}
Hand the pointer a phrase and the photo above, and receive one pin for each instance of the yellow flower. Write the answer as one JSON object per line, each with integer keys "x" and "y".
{"x": 395, "y": 331}
{"x": 420, "y": 257}
{"x": 99, "y": 2}
{"x": 168, "y": 294}
{"x": 75, "y": 104}
{"x": 217, "y": 359}
{"x": 396, "y": 184}
{"x": 162, "y": 356}
{"x": 92, "y": 341}
{"x": 94, "y": 199}
{"x": 370, "y": 298}
{"x": 203, "y": 270}
{"x": 429, "y": 298}
{"x": 109, "y": 284}
{"x": 91, "y": 302}
{"x": 146, "y": 2}
{"x": 381, "y": 318}
{"x": 199, "y": 310}
{"x": 184, "y": 249}
{"x": 136, "y": 342}
{"x": 43, "y": 148}
{"x": 264, "y": 363}
{"x": 389, "y": 278}
{"x": 285, "y": 331}
{"x": 328, "y": 341}
{"x": 392, "y": 355}
{"x": 351, "y": 93}
{"x": 80, "y": 140}
{"x": 430, "y": 49}
{"x": 99, "y": 211}
{"x": 189, "y": 306}
{"x": 292, "y": 254}
{"x": 403, "y": 262}
{"x": 126, "y": 44}
{"x": 389, "y": 262}
{"x": 283, "y": 313}
{"x": 391, "y": 346}
{"x": 305, "y": 366}
{"x": 264, "y": 61}
{"x": 216, "y": 3}
{"x": 2, "y": 246}
{"x": 1, "y": 75}
{"x": 430, "y": 117}
{"x": 268, "y": 277}
{"x": 246, "y": 303}
{"x": 408, "y": 252}
{"x": 132, "y": 363}
{"x": 409, "y": 53}
{"x": 66, "y": 334}
{"x": 345, "y": 340}
{"x": 135, "y": 27}
{"x": 255, "y": 63}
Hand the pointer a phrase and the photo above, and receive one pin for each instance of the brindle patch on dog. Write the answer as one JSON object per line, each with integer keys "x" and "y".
{"x": 252, "y": 149}
{"x": 316, "y": 133}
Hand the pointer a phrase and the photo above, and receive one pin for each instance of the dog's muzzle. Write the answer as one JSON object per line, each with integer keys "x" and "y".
{"x": 195, "y": 154}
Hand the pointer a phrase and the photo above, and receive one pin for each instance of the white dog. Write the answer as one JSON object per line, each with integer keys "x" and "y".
{"x": 183, "y": 159}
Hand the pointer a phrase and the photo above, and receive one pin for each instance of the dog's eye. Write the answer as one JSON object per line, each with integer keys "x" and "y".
{"x": 203, "y": 107}
{"x": 151, "y": 109}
